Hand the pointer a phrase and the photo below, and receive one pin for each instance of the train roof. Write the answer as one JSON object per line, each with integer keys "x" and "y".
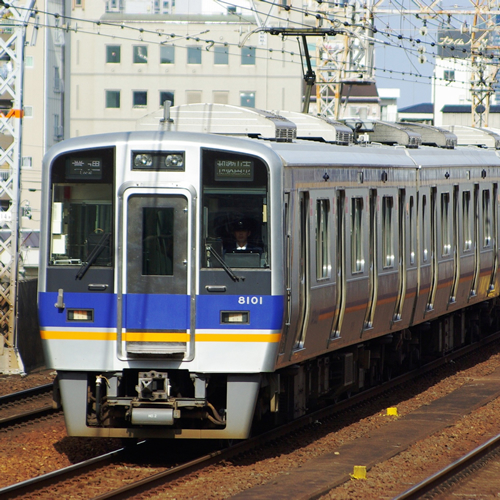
{"x": 301, "y": 152}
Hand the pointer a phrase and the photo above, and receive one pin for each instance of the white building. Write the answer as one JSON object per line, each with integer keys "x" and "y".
{"x": 124, "y": 65}
{"x": 44, "y": 117}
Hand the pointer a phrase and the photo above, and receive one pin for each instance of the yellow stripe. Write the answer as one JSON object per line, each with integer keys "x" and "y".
{"x": 155, "y": 337}
{"x": 161, "y": 337}
{"x": 58, "y": 335}
{"x": 237, "y": 337}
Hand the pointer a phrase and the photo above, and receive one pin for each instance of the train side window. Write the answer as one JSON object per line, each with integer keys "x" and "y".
{"x": 467, "y": 221}
{"x": 445, "y": 224}
{"x": 425, "y": 230}
{"x": 411, "y": 230}
{"x": 322, "y": 239}
{"x": 387, "y": 231}
{"x": 357, "y": 257}
{"x": 486, "y": 218}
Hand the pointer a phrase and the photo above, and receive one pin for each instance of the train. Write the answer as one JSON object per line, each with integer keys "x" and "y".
{"x": 367, "y": 248}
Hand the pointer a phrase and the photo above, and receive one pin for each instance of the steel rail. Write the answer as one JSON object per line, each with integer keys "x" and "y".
{"x": 451, "y": 470}
{"x": 45, "y": 480}
{"x": 160, "y": 479}
{"x": 17, "y": 396}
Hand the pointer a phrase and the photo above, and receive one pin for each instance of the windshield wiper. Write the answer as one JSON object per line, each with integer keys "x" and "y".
{"x": 226, "y": 268}
{"x": 101, "y": 245}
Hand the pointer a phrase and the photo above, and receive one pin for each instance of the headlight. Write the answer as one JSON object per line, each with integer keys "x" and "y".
{"x": 174, "y": 161}
{"x": 143, "y": 160}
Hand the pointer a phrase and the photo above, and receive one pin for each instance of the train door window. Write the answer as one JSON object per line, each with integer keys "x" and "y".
{"x": 322, "y": 239}
{"x": 466, "y": 221}
{"x": 411, "y": 217}
{"x": 486, "y": 218}
{"x": 235, "y": 228}
{"x": 425, "y": 231}
{"x": 157, "y": 241}
{"x": 357, "y": 257}
{"x": 445, "y": 224}
{"x": 387, "y": 231}
{"x": 82, "y": 208}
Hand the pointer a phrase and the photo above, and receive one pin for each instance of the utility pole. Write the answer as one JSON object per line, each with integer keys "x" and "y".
{"x": 13, "y": 22}
{"x": 484, "y": 74}
{"x": 346, "y": 58}
{"x": 481, "y": 46}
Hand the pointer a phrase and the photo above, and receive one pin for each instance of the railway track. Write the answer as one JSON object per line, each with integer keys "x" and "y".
{"x": 28, "y": 405}
{"x": 159, "y": 479}
{"x": 452, "y": 477}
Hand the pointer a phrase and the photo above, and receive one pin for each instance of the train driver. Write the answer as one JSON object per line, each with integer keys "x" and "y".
{"x": 241, "y": 232}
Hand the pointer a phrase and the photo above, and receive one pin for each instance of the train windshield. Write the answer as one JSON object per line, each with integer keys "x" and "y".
{"x": 235, "y": 207}
{"x": 82, "y": 210}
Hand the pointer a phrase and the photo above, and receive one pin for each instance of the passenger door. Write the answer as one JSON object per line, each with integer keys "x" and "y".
{"x": 154, "y": 292}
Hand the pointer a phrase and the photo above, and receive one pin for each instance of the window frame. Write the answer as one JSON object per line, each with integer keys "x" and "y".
{"x": 109, "y": 49}
{"x": 108, "y": 94}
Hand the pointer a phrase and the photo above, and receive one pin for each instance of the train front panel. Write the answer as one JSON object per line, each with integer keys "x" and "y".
{"x": 158, "y": 303}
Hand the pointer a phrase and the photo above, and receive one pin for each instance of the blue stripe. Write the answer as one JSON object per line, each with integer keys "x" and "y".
{"x": 268, "y": 315}
{"x": 156, "y": 312}
{"x": 104, "y": 307}
{"x": 162, "y": 312}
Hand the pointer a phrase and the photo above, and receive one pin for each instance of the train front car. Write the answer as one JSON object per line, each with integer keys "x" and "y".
{"x": 160, "y": 293}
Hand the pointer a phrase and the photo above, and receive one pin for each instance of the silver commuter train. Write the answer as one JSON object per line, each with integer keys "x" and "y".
{"x": 361, "y": 259}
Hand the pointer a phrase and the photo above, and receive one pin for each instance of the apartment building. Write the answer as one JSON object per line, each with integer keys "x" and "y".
{"x": 128, "y": 56}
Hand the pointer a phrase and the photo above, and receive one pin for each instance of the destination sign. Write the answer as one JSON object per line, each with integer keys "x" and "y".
{"x": 83, "y": 168}
{"x": 233, "y": 170}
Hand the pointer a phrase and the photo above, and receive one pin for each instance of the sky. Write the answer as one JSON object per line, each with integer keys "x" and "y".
{"x": 399, "y": 57}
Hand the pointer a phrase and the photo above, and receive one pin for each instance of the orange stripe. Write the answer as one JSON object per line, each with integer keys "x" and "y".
{"x": 237, "y": 337}
{"x": 324, "y": 316}
{"x": 357, "y": 308}
{"x": 131, "y": 336}
{"x": 161, "y": 337}
{"x": 58, "y": 335}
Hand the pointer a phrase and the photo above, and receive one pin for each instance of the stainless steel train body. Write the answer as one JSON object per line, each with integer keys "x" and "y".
{"x": 156, "y": 329}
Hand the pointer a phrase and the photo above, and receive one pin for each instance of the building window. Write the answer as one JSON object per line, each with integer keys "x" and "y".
{"x": 58, "y": 130}
{"x": 193, "y": 96}
{"x": 140, "y": 54}
{"x": 112, "y": 53}
{"x": 449, "y": 75}
{"x": 167, "y": 54}
{"x": 248, "y": 55}
{"x": 194, "y": 54}
{"x": 29, "y": 62}
{"x": 114, "y": 6}
{"x": 78, "y": 3}
{"x": 27, "y": 162}
{"x": 247, "y": 99}
{"x": 57, "y": 80}
{"x": 140, "y": 98}
{"x": 221, "y": 54}
{"x": 112, "y": 98}
{"x": 28, "y": 111}
{"x": 220, "y": 97}
{"x": 166, "y": 96}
